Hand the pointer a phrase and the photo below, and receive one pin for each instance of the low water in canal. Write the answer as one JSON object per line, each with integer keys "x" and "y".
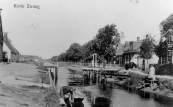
{"x": 124, "y": 98}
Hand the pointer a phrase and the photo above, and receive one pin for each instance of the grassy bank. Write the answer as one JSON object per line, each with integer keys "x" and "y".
{"x": 163, "y": 88}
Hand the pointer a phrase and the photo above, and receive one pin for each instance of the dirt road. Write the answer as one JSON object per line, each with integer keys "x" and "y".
{"x": 19, "y": 86}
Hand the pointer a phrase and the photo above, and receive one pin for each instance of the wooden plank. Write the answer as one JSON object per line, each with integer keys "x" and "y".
{"x": 115, "y": 74}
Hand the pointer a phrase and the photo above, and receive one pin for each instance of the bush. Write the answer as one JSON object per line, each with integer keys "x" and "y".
{"x": 165, "y": 69}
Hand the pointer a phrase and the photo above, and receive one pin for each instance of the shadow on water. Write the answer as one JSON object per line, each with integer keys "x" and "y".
{"x": 78, "y": 104}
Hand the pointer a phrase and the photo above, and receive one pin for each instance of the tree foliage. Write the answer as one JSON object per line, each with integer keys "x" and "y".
{"x": 74, "y": 52}
{"x": 147, "y": 47}
{"x": 106, "y": 38}
{"x": 102, "y": 44}
{"x": 166, "y": 25}
{"x": 161, "y": 49}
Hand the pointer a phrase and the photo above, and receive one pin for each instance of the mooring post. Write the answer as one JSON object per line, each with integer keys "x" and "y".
{"x": 56, "y": 80}
{"x": 90, "y": 77}
{"x": 96, "y": 76}
{"x": 83, "y": 76}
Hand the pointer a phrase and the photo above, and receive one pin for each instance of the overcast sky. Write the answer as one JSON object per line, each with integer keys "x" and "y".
{"x": 50, "y": 30}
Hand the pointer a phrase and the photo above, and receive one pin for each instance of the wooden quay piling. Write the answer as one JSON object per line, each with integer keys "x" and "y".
{"x": 98, "y": 73}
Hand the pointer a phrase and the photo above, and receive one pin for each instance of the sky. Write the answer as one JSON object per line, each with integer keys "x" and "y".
{"x": 51, "y": 29}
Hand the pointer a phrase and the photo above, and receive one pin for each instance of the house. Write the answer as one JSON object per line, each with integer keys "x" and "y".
{"x": 131, "y": 54}
{"x": 167, "y": 36}
{"x": 131, "y": 49}
{"x": 12, "y": 53}
{"x": 119, "y": 53}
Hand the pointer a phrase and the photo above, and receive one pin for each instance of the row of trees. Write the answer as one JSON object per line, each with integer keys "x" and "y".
{"x": 107, "y": 38}
{"x": 104, "y": 44}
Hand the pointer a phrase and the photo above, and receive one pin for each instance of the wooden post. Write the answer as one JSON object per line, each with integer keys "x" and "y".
{"x": 90, "y": 77}
{"x": 56, "y": 73}
{"x": 97, "y": 77}
{"x": 83, "y": 76}
{"x": 52, "y": 81}
{"x": 50, "y": 77}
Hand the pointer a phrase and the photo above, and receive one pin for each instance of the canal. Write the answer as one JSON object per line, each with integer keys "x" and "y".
{"x": 121, "y": 97}
{"x": 125, "y": 98}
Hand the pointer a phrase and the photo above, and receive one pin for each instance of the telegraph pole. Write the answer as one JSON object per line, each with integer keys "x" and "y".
{"x": 1, "y": 39}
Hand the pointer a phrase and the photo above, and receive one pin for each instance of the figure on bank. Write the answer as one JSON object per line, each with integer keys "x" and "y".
{"x": 103, "y": 82}
{"x": 151, "y": 72}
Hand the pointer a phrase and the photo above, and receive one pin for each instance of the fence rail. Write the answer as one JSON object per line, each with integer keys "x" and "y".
{"x": 85, "y": 64}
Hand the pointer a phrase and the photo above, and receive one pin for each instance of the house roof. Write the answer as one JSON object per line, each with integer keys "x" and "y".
{"x": 136, "y": 44}
{"x": 133, "y": 46}
{"x": 9, "y": 45}
{"x": 120, "y": 49}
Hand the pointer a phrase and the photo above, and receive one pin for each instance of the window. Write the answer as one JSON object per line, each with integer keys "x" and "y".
{"x": 131, "y": 45}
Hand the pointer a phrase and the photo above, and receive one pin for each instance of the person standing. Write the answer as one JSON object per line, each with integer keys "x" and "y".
{"x": 151, "y": 72}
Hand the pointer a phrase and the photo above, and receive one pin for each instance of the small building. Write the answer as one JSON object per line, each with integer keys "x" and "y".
{"x": 12, "y": 53}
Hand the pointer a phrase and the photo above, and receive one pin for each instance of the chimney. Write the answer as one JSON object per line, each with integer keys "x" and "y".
{"x": 138, "y": 38}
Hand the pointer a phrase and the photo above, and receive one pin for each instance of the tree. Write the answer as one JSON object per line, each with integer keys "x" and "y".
{"x": 147, "y": 47}
{"x": 166, "y": 25}
{"x": 161, "y": 50}
{"x": 74, "y": 52}
{"x": 102, "y": 44}
{"x": 105, "y": 40}
{"x": 54, "y": 58}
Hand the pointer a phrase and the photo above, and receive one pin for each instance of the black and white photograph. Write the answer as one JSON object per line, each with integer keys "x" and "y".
{"x": 86, "y": 53}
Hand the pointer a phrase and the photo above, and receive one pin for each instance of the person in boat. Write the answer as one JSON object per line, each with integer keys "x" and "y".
{"x": 66, "y": 93}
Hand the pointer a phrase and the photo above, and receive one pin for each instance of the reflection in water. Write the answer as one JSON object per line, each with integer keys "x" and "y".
{"x": 101, "y": 102}
{"x": 78, "y": 104}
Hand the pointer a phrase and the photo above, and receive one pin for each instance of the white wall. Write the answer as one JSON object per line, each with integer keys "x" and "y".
{"x": 5, "y": 48}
